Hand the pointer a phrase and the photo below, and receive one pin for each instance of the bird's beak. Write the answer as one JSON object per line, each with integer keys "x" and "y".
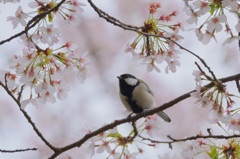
{"x": 119, "y": 77}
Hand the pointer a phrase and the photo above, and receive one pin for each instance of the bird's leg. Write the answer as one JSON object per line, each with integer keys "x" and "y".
{"x": 129, "y": 117}
{"x": 144, "y": 112}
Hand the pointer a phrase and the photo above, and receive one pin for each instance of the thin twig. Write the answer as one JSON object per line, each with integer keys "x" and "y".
{"x": 239, "y": 41}
{"x": 237, "y": 84}
{"x": 200, "y": 69}
{"x": 18, "y": 150}
{"x": 203, "y": 62}
{"x": 186, "y": 3}
{"x": 20, "y": 93}
{"x": 113, "y": 21}
{"x": 148, "y": 46}
{"x": 173, "y": 140}
{"x": 135, "y": 132}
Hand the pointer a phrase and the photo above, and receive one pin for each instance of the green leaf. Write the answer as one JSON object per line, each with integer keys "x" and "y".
{"x": 213, "y": 7}
{"x": 115, "y": 135}
{"x": 213, "y": 153}
{"x": 50, "y": 17}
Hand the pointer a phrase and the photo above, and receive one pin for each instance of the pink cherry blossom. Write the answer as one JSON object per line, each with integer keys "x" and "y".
{"x": 49, "y": 34}
{"x": 152, "y": 125}
{"x": 192, "y": 149}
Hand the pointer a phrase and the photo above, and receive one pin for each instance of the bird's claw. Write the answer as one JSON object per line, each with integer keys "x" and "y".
{"x": 129, "y": 117}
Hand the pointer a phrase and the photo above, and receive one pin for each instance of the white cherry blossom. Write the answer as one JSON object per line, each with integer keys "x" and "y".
{"x": 20, "y": 17}
{"x": 215, "y": 23}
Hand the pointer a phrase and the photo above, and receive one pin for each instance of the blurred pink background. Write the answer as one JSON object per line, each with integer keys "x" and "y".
{"x": 95, "y": 102}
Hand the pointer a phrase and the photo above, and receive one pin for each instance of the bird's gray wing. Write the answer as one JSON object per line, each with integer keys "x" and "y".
{"x": 163, "y": 115}
{"x": 148, "y": 89}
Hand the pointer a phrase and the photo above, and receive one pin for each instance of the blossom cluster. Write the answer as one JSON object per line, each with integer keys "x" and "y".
{"x": 215, "y": 95}
{"x": 118, "y": 146}
{"x": 42, "y": 71}
{"x": 216, "y": 20}
{"x": 67, "y": 11}
{"x": 218, "y": 100}
{"x": 45, "y": 58}
{"x": 201, "y": 149}
{"x": 158, "y": 45}
{"x": 193, "y": 149}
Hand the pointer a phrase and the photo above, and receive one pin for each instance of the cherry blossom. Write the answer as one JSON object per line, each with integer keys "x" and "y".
{"x": 193, "y": 18}
{"x": 217, "y": 18}
{"x": 104, "y": 147}
{"x": 152, "y": 125}
{"x": 202, "y": 6}
{"x": 11, "y": 80}
{"x": 232, "y": 121}
{"x": 150, "y": 61}
{"x": 237, "y": 27}
{"x": 197, "y": 74}
{"x": 214, "y": 23}
{"x": 172, "y": 65}
{"x": 155, "y": 50}
{"x": 231, "y": 39}
{"x": 76, "y": 4}
{"x": 91, "y": 148}
{"x": 199, "y": 34}
{"x": 233, "y": 4}
{"x": 207, "y": 37}
{"x": 62, "y": 92}
{"x": 49, "y": 34}
{"x": 26, "y": 102}
{"x": 20, "y": 17}
{"x": 191, "y": 150}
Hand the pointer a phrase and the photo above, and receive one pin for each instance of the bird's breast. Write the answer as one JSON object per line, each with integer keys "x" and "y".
{"x": 142, "y": 97}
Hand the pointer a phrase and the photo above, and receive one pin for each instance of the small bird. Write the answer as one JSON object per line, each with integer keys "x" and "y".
{"x": 137, "y": 96}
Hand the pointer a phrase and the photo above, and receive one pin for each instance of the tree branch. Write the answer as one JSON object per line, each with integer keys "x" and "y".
{"x": 58, "y": 151}
{"x": 136, "y": 117}
{"x": 17, "y": 100}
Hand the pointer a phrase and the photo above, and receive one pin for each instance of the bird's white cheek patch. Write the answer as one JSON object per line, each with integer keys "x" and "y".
{"x": 131, "y": 81}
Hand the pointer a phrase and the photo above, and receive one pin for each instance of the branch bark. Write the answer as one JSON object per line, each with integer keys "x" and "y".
{"x": 18, "y": 150}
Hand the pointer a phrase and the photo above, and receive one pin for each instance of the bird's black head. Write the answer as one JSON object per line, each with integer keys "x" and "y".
{"x": 127, "y": 83}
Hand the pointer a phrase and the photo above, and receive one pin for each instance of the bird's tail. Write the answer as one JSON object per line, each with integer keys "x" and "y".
{"x": 164, "y": 116}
